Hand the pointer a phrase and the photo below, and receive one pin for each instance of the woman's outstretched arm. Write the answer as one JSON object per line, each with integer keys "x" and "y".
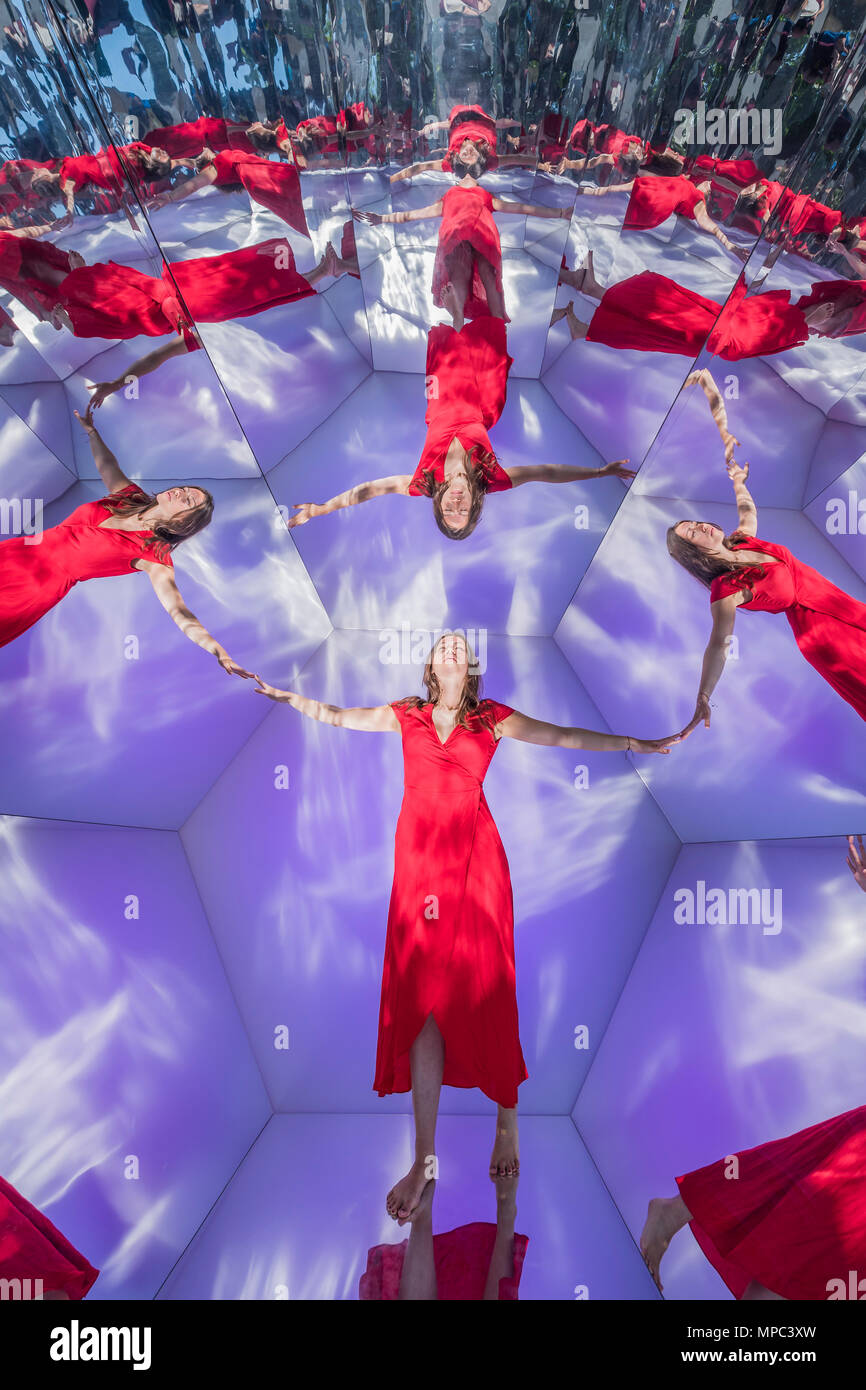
{"x": 724, "y": 612}
{"x": 184, "y": 190}
{"x": 148, "y": 363}
{"x": 704, "y": 379}
{"x": 110, "y": 470}
{"x": 529, "y": 209}
{"x": 166, "y": 590}
{"x": 413, "y": 169}
{"x": 559, "y": 473}
{"x": 747, "y": 512}
{"x": 376, "y": 219}
{"x": 527, "y": 730}
{"x": 373, "y": 719}
{"x": 361, "y": 492}
{"x": 706, "y": 224}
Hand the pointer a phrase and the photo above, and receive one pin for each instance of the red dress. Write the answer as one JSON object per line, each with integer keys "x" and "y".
{"x": 653, "y": 199}
{"x": 116, "y": 301}
{"x": 102, "y": 169}
{"x": 190, "y": 138}
{"x": 795, "y": 1217}
{"x": 582, "y": 136}
{"x": 467, "y": 221}
{"x": 829, "y": 625}
{"x": 461, "y": 1257}
{"x": 22, "y": 259}
{"x": 276, "y": 186}
{"x": 16, "y": 183}
{"x": 31, "y": 1247}
{"x": 449, "y": 948}
{"x": 467, "y": 375}
{"x": 33, "y": 578}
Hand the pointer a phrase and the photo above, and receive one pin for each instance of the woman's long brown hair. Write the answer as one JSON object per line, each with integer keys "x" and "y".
{"x": 476, "y": 462}
{"x": 704, "y": 566}
{"x": 167, "y": 534}
{"x": 470, "y": 698}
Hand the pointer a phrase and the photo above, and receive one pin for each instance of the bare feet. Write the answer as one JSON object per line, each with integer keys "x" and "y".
{"x": 660, "y": 1227}
{"x": 76, "y": 260}
{"x": 424, "y": 1209}
{"x": 59, "y": 318}
{"x": 505, "y": 1159}
{"x": 330, "y": 260}
{"x": 559, "y": 314}
{"x": 506, "y": 1199}
{"x": 406, "y": 1194}
{"x": 453, "y": 305}
{"x": 577, "y": 327}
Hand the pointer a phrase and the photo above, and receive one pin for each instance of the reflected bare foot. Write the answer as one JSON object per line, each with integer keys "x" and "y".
{"x": 506, "y": 1199}
{"x": 505, "y": 1159}
{"x": 559, "y": 314}
{"x": 406, "y": 1194}
{"x": 577, "y": 327}
{"x": 659, "y": 1229}
{"x": 424, "y": 1210}
{"x": 451, "y": 302}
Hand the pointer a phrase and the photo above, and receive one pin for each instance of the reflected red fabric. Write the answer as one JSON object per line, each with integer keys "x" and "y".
{"x": 478, "y": 127}
{"x": 276, "y": 186}
{"x": 449, "y": 948}
{"x": 323, "y": 129}
{"x": 467, "y": 380}
{"x": 103, "y": 169}
{"x": 610, "y": 140}
{"x": 115, "y": 301}
{"x": 16, "y": 188}
{"x": 581, "y": 135}
{"x": 653, "y": 199}
{"x": 461, "y": 1258}
{"x": 467, "y": 217}
{"x": 828, "y": 624}
{"x": 189, "y": 139}
{"x": 31, "y": 1247}
{"x": 794, "y": 1218}
{"x": 33, "y": 578}
{"x": 21, "y": 260}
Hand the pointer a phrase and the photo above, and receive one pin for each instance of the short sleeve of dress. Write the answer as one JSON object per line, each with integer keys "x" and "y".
{"x": 159, "y": 556}
{"x": 723, "y": 586}
{"x": 495, "y": 476}
{"x": 420, "y": 484}
{"x": 495, "y": 711}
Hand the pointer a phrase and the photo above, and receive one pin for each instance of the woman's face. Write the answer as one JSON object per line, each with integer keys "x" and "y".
{"x": 176, "y": 500}
{"x": 451, "y": 655}
{"x": 702, "y": 534}
{"x": 456, "y": 502}
{"x": 470, "y": 153}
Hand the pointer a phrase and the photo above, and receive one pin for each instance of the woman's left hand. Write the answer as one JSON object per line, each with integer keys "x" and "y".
{"x": 737, "y": 472}
{"x": 233, "y": 669}
{"x": 654, "y": 745}
{"x": 617, "y": 469}
{"x": 101, "y": 392}
{"x": 374, "y": 218}
{"x": 857, "y": 860}
{"x": 731, "y": 443}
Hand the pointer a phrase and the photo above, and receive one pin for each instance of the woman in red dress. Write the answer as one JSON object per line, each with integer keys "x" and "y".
{"x": 650, "y": 313}
{"x": 126, "y": 531}
{"x": 785, "y": 1220}
{"x": 471, "y": 146}
{"x": 479, "y": 1261}
{"x": 742, "y": 571}
{"x": 117, "y": 301}
{"x": 32, "y": 270}
{"x": 653, "y": 198}
{"x": 448, "y": 1011}
{"x": 108, "y": 171}
{"x": 276, "y": 186}
{"x": 467, "y": 273}
{"x": 466, "y": 376}
{"x": 189, "y": 138}
{"x": 33, "y": 1250}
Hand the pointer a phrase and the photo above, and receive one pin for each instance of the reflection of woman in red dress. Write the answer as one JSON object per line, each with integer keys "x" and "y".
{"x": 785, "y": 1220}
{"x": 107, "y": 170}
{"x": 476, "y": 1262}
{"x": 189, "y": 138}
{"x": 32, "y": 270}
{"x": 276, "y": 186}
{"x": 467, "y": 375}
{"x": 471, "y": 146}
{"x": 742, "y": 571}
{"x": 126, "y": 531}
{"x": 653, "y": 199}
{"x": 448, "y": 1011}
{"x": 33, "y": 1250}
{"x": 467, "y": 274}
{"x": 116, "y": 301}
{"x": 650, "y": 313}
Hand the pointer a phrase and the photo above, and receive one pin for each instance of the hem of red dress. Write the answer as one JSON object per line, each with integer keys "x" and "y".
{"x": 509, "y": 1104}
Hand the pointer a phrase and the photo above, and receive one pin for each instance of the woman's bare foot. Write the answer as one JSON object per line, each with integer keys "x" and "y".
{"x": 505, "y": 1159}
{"x": 590, "y": 285}
{"x": 330, "y": 260}
{"x": 453, "y": 305}
{"x": 424, "y": 1210}
{"x": 506, "y": 1199}
{"x": 76, "y": 260}
{"x": 664, "y": 1218}
{"x": 576, "y": 325}
{"x": 559, "y": 314}
{"x": 59, "y": 318}
{"x": 406, "y": 1194}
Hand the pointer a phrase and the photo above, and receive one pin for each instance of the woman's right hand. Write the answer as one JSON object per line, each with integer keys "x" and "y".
{"x": 281, "y": 697}
{"x": 102, "y": 391}
{"x": 304, "y": 512}
{"x": 737, "y": 472}
{"x": 86, "y": 420}
{"x": 374, "y": 218}
{"x": 857, "y": 860}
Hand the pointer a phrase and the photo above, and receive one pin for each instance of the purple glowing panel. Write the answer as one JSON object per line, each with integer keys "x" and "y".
{"x": 305, "y": 803}
{"x": 729, "y": 1032}
{"x": 129, "y": 1092}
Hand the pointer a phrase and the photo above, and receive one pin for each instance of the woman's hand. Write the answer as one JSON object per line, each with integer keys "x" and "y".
{"x": 102, "y": 391}
{"x": 232, "y": 667}
{"x": 304, "y": 512}
{"x": 86, "y": 420}
{"x": 158, "y": 200}
{"x": 701, "y": 715}
{"x": 374, "y": 218}
{"x": 742, "y": 253}
{"x": 617, "y": 469}
{"x": 653, "y": 745}
{"x": 737, "y": 472}
{"x": 281, "y": 697}
{"x": 731, "y": 443}
{"x": 857, "y": 861}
